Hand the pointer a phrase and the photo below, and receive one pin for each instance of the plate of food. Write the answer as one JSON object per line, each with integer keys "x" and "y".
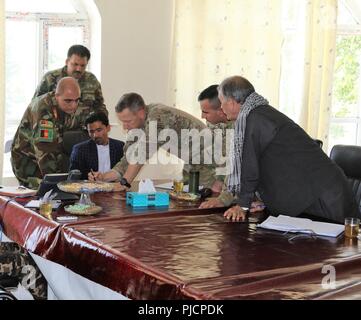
{"x": 82, "y": 209}
{"x": 185, "y": 198}
{"x": 85, "y": 186}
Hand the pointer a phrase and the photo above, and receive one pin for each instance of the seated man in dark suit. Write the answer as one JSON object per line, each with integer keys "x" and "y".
{"x": 100, "y": 153}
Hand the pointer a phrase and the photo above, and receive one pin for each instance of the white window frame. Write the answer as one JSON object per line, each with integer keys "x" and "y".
{"x": 348, "y": 30}
{"x": 45, "y": 21}
{"x": 48, "y": 20}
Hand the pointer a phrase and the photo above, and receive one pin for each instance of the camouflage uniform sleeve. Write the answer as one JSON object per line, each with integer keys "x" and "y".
{"x": 222, "y": 135}
{"x": 226, "y": 198}
{"x": 48, "y": 148}
{"x": 122, "y": 165}
{"x": 47, "y": 84}
{"x": 92, "y": 96}
{"x": 99, "y": 100}
{"x": 16, "y": 263}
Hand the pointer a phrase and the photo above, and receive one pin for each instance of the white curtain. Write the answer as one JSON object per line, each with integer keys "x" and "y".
{"x": 286, "y": 48}
{"x": 214, "y": 39}
{"x": 2, "y": 83}
{"x": 308, "y": 67}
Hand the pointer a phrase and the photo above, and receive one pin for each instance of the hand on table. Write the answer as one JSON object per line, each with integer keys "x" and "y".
{"x": 235, "y": 213}
{"x": 119, "y": 188}
{"x": 217, "y": 186}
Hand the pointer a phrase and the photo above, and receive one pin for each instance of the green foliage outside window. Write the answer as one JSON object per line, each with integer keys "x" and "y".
{"x": 347, "y": 72}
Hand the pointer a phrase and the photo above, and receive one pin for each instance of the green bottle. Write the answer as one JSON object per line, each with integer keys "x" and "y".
{"x": 193, "y": 181}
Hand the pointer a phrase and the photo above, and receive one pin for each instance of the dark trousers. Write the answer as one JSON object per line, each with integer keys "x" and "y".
{"x": 335, "y": 204}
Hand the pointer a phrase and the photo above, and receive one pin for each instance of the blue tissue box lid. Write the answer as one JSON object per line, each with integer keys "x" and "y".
{"x": 136, "y": 199}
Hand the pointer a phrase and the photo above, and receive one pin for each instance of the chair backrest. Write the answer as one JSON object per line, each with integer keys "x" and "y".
{"x": 71, "y": 138}
{"x": 348, "y": 158}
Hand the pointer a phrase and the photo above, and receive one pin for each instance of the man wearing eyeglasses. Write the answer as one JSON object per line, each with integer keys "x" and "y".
{"x": 75, "y": 66}
{"x": 99, "y": 153}
{"x": 37, "y": 147}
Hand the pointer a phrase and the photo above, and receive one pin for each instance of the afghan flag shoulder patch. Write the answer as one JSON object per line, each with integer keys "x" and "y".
{"x": 46, "y": 129}
{"x": 46, "y": 124}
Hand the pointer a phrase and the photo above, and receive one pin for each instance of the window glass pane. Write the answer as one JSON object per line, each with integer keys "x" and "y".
{"x": 344, "y": 15}
{"x": 342, "y": 133}
{"x": 21, "y": 74}
{"x": 60, "y": 40}
{"x": 37, "y": 6}
{"x": 346, "y": 87}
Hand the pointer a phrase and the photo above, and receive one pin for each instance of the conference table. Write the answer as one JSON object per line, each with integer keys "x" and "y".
{"x": 187, "y": 253}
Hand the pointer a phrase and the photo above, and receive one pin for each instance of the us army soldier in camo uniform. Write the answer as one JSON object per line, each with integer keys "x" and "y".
{"x": 75, "y": 65}
{"x": 134, "y": 114}
{"x": 216, "y": 121}
{"x": 37, "y": 146}
{"x": 16, "y": 265}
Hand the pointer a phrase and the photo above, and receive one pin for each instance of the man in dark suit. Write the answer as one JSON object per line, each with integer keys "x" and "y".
{"x": 274, "y": 156}
{"x": 99, "y": 153}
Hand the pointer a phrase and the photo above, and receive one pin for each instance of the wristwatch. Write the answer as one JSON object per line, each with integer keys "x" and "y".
{"x": 245, "y": 209}
{"x": 124, "y": 182}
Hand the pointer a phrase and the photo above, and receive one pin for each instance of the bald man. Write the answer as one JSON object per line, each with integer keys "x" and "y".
{"x": 37, "y": 147}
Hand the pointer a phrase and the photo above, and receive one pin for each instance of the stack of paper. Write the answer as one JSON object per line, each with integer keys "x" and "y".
{"x": 36, "y": 204}
{"x": 16, "y": 191}
{"x": 291, "y": 224}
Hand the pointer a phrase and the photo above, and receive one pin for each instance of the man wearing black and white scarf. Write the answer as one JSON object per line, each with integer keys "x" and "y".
{"x": 275, "y": 157}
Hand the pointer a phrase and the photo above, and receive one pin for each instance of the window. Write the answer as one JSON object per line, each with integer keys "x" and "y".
{"x": 38, "y": 36}
{"x": 345, "y": 125}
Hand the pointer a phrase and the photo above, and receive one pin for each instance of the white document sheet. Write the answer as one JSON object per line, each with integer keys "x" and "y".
{"x": 292, "y": 224}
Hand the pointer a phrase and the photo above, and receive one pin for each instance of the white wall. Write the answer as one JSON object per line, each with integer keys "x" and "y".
{"x": 136, "y": 54}
{"x": 136, "y": 49}
{"x": 2, "y": 80}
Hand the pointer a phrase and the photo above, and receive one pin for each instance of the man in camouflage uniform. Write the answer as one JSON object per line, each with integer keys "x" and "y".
{"x": 217, "y": 119}
{"x": 217, "y": 122}
{"x": 134, "y": 114}
{"x": 17, "y": 266}
{"x": 75, "y": 65}
{"x": 37, "y": 146}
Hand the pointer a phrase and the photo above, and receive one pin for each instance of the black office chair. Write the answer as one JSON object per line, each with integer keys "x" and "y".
{"x": 348, "y": 158}
{"x": 71, "y": 138}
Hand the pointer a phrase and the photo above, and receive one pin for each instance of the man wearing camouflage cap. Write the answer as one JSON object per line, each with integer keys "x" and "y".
{"x": 75, "y": 65}
{"x": 37, "y": 146}
{"x": 181, "y": 126}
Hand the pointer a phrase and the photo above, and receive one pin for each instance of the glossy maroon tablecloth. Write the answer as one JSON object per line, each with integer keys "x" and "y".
{"x": 188, "y": 254}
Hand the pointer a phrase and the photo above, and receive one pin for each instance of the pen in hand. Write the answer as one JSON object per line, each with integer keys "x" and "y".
{"x": 92, "y": 172}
